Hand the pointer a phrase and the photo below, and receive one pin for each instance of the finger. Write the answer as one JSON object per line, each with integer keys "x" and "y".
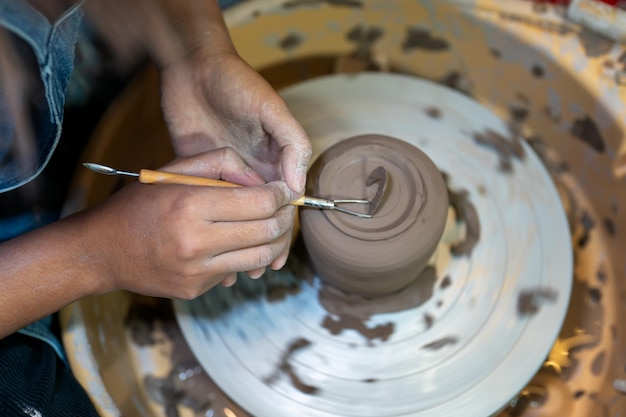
{"x": 230, "y": 280}
{"x": 240, "y": 204}
{"x": 257, "y": 273}
{"x": 295, "y": 146}
{"x": 238, "y": 235}
{"x": 294, "y": 161}
{"x": 222, "y": 163}
{"x": 248, "y": 259}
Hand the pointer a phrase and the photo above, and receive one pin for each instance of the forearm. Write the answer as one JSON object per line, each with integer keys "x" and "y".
{"x": 200, "y": 27}
{"x": 43, "y": 271}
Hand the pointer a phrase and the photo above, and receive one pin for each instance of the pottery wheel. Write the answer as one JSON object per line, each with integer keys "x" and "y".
{"x": 492, "y": 313}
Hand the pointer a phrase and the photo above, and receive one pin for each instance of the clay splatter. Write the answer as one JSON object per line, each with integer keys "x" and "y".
{"x": 433, "y": 112}
{"x": 370, "y": 380}
{"x": 518, "y": 113}
{"x": 595, "y": 295}
{"x": 587, "y": 224}
{"x": 446, "y": 282}
{"x": 598, "y": 363}
{"x": 438, "y": 344}
{"x": 466, "y": 212}
{"x": 364, "y": 35}
{"x": 495, "y": 52}
{"x": 594, "y": 44}
{"x": 186, "y": 386}
{"x": 586, "y": 129}
{"x": 291, "y": 41}
{"x": 537, "y": 71}
{"x": 530, "y": 301}
{"x": 428, "y": 320}
{"x": 351, "y": 311}
{"x": 285, "y": 367}
{"x": 609, "y": 226}
{"x": 362, "y": 58}
{"x": 507, "y": 149}
{"x": 345, "y": 322}
{"x": 418, "y": 38}
{"x": 458, "y": 81}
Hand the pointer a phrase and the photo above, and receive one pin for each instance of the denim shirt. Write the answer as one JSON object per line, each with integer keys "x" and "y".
{"x": 53, "y": 47}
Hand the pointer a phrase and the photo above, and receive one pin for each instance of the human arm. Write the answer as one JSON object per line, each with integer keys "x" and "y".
{"x": 213, "y": 98}
{"x": 172, "y": 241}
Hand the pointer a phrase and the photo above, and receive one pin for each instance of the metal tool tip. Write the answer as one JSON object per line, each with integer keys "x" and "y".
{"x": 99, "y": 168}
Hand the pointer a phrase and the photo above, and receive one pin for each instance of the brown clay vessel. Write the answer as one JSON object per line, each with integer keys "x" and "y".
{"x": 387, "y": 252}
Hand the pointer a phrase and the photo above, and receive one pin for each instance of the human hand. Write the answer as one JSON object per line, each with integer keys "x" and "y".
{"x": 216, "y": 100}
{"x": 179, "y": 241}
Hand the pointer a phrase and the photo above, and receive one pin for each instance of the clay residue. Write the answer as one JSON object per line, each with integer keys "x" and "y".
{"x": 496, "y": 53}
{"x": 507, "y": 149}
{"x": 518, "y": 113}
{"x": 538, "y": 71}
{"x": 445, "y": 282}
{"x": 428, "y": 321}
{"x": 345, "y": 322}
{"x": 585, "y": 129}
{"x": 284, "y": 366}
{"x": 609, "y": 226}
{"x": 530, "y": 301}
{"x": 597, "y": 366}
{"x": 459, "y": 82}
{"x": 595, "y": 295}
{"x": 433, "y": 112}
{"x": 587, "y": 223}
{"x": 594, "y": 44}
{"x": 418, "y": 38}
{"x": 351, "y": 311}
{"x": 185, "y": 387}
{"x": 466, "y": 212}
{"x": 439, "y": 343}
{"x": 291, "y": 41}
{"x": 364, "y": 57}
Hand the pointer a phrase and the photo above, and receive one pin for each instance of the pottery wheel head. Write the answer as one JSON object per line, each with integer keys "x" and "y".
{"x": 462, "y": 340}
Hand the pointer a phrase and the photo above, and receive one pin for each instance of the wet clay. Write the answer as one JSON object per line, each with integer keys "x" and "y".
{"x": 386, "y": 253}
{"x": 466, "y": 212}
{"x": 286, "y": 367}
{"x": 507, "y": 149}
{"x": 530, "y": 301}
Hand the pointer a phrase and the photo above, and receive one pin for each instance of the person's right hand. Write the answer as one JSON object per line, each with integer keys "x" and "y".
{"x": 178, "y": 241}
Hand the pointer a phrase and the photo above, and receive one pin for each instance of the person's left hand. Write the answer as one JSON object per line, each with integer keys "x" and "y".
{"x": 214, "y": 101}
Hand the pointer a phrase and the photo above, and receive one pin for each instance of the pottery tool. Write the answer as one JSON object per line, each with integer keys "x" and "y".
{"x": 147, "y": 176}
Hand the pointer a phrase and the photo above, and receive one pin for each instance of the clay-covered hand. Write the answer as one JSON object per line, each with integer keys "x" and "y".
{"x": 216, "y": 99}
{"x": 180, "y": 240}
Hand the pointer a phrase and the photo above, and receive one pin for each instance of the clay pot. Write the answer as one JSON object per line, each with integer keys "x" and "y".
{"x": 383, "y": 254}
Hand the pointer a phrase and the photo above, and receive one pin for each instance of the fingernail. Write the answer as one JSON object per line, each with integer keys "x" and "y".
{"x": 301, "y": 179}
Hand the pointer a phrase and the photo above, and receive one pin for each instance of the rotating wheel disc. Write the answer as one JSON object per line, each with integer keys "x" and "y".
{"x": 478, "y": 349}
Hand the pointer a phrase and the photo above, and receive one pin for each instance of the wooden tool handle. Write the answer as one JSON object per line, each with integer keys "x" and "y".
{"x": 148, "y": 176}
